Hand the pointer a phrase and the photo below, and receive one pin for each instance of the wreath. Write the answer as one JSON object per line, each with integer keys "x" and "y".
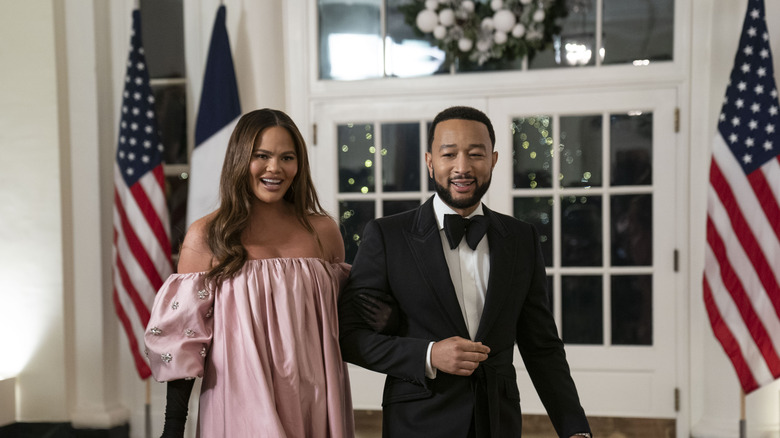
{"x": 478, "y": 31}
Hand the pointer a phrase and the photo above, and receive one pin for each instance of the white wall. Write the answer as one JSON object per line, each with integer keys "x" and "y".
{"x": 31, "y": 314}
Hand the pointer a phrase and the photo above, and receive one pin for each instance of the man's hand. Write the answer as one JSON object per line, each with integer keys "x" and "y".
{"x": 458, "y": 356}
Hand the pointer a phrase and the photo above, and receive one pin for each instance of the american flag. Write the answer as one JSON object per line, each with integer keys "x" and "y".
{"x": 742, "y": 259}
{"x": 142, "y": 248}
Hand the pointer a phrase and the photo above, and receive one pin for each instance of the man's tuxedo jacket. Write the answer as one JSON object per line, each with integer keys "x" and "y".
{"x": 401, "y": 255}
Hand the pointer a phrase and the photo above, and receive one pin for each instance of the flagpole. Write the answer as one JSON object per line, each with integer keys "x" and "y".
{"x": 147, "y": 409}
{"x": 742, "y": 425}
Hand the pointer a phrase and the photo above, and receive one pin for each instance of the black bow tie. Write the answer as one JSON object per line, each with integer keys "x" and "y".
{"x": 455, "y": 226}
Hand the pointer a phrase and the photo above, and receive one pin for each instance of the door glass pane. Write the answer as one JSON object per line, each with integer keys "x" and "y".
{"x": 176, "y": 194}
{"x": 632, "y": 230}
{"x": 632, "y": 310}
{"x": 575, "y": 45}
{"x": 631, "y": 138}
{"x": 407, "y": 53}
{"x": 532, "y": 150}
{"x": 354, "y": 217}
{"x": 170, "y": 106}
{"x": 636, "y": 31}
{"x": 581, "y": 236}
{"x": 539, "y": 212}
{"x": 400, "y": 157}
{"x": 580, "y": 151}
{"x": 581, "y": 309}
{"x": 162, "y": 29}
{"x": 393, "y": 207}
{"x": 350, "y": 39}
{"x": 356, "y": 157}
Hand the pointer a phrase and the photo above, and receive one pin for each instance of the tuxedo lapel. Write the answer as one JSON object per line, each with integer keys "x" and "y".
{"x": 425, "y": 243}
{"x": 502, "y": 267}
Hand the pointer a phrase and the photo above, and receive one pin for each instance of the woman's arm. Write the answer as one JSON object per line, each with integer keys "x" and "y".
{"x": 176, "y": 403}
{"x": 195, "y": 255}
{"x": 378, "y": 310}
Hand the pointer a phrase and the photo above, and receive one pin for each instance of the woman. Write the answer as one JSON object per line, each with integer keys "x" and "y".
{"x": 252, "y": 308}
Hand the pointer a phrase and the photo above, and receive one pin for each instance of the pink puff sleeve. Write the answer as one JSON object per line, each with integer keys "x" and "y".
{"x": 180, "y": 328}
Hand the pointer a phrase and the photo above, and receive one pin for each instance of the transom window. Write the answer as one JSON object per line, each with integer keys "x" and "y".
{"x": 372, "y": 39}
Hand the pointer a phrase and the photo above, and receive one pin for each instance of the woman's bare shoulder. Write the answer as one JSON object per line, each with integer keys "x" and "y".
{"x": 330, "y": 236}
{"x": 195, "y": 255}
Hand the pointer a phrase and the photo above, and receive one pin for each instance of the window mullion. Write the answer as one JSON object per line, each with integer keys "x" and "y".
{"x": 599, "y": 31}
{"x": 378, "y": 183}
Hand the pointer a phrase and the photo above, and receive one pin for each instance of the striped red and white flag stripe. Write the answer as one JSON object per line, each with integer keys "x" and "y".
{"x": 142, "y": 248}
{"x": 742, "y": 258}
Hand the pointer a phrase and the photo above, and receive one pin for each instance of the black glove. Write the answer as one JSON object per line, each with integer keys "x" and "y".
{"x": 176, "y": 405}
{"x": 380, "y": 311}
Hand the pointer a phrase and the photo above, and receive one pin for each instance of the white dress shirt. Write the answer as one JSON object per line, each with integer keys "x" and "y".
{"x": 469, "y": 271}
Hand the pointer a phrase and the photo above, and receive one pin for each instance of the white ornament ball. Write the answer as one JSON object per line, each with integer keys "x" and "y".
{"x": 496, "y": 4}
{"x": 518, "y": 31}
{"x": 504, "y": 20}
{"x": 465, "y": 44}
{"x": 427, "y": 20}
{"x": 440, "y": 32}
{"x": 447, "y": 17}
{"x": 539, "y": 15}
{"x": 467, "y": 6}
{"x": 431, "y": 4}
{"x": 499, "y": 37}
{"x": 487, "y": 24}
{"x": 484, "y": 45}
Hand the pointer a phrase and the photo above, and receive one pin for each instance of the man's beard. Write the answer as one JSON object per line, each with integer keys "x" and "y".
{"x": 462, "y": 204}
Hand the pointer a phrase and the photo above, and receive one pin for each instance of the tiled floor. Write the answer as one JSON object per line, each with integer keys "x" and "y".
{"x": 368, "y": 424}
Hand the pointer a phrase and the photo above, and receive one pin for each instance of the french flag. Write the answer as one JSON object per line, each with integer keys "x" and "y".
{"x": 218, "y": 114}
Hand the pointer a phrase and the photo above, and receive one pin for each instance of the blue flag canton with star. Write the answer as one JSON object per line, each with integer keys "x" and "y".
{"x": 140, "y": 149}
{"x": 749, "y": 119}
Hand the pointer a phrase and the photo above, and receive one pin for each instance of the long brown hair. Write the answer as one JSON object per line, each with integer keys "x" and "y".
{"x": 223, "y": 233}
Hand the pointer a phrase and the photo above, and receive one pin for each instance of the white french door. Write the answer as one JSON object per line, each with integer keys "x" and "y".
{"x": 595, "y": 172}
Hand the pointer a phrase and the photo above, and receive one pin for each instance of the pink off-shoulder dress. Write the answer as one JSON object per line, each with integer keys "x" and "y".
{"x": 266, "y": 344}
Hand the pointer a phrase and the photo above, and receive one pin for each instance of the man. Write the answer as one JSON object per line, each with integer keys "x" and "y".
{"x": 463, "y": 304}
